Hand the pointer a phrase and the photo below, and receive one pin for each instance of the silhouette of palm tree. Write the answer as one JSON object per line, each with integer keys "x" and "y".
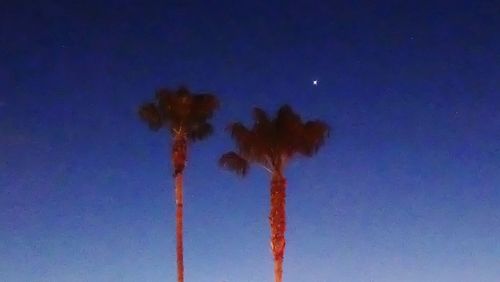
{"x": 186, "y": 116}
{"x": 271, "y": 143}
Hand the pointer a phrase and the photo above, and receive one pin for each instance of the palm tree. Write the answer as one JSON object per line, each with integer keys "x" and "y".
{"x": 271, "y": 143}
{"x": 186, "y": 116}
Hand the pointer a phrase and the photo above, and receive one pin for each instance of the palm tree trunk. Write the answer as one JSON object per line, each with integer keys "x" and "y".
{"x": 179, "y": 151}
{"x": 277, "y": 219}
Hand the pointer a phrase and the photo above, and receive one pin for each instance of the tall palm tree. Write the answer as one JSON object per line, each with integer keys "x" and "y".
{"x": 186, "y": 115}
{"x": 271, "y": 143}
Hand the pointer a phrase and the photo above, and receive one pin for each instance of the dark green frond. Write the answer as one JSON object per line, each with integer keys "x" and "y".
{"x": 287, "y": 121}
{"x": 243, "y": 137}
{"x": 260, "y": 116}
{"x": 234, "y": 162}
{"x": 184, "y": 91}
{"x": 239, "y": 132}
{"x": 204, "y": 106}
{"x": 263, "y": 128}
{"x": 288, "y": 128}
{"x": 200, "y": 131}
{"x": 315, "y": 134}
{"x": 161, "y": 92}
{"x": 251, "y": 145}
{"x": 167, "y": 103}
{"x": 150, "y": 114}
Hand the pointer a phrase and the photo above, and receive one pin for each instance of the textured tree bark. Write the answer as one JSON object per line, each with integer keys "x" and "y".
{"x": 277, "y": 219}
{"x": 179, "y": 151}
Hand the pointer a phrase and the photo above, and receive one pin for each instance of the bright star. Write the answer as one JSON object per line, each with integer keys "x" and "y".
{"x": 315, "y": 82}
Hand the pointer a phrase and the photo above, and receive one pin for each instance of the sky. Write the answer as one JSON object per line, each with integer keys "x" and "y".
{"x": 407, "y": 188}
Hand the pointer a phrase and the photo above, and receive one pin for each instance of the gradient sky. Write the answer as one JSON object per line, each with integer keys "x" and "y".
{"x": 406, "y": 190}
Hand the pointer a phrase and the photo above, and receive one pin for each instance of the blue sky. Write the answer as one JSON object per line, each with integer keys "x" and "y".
{"x": 406, "y": 189}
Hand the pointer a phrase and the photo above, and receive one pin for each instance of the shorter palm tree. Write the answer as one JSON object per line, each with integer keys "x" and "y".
{"x": 186, "y": 115}
{"x": 272, "y": 143}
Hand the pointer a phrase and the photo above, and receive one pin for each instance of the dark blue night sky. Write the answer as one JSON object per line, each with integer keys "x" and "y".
{"x": 407, "y": 189}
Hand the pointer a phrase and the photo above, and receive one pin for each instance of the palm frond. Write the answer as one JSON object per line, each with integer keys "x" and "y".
{"x": 200, "y": 131}
{"x": 288, "y": 127}
{"x": 248, "y": 144}
{"x": 314, "y": 136}
{"x": 167, "y": 102}
{"x": 241, "y": 135}
{"x": 260, "y": 116}
{"x": 183, "y": 91}
{"x": 234, "y": 162}
{"x": 287, "y": 114}
{"x": 204, "y": 105}
{"x": 263, "y": 129}
{"x": 150, "y": 114}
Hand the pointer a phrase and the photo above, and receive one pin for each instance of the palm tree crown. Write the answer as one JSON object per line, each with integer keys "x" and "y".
{"x": 182, "y": 112}
{"x": 272, "y": 142}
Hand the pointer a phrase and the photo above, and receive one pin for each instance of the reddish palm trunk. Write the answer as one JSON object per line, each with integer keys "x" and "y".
{"x": 179, "y": 151}
{"x": 277, "y": 219}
